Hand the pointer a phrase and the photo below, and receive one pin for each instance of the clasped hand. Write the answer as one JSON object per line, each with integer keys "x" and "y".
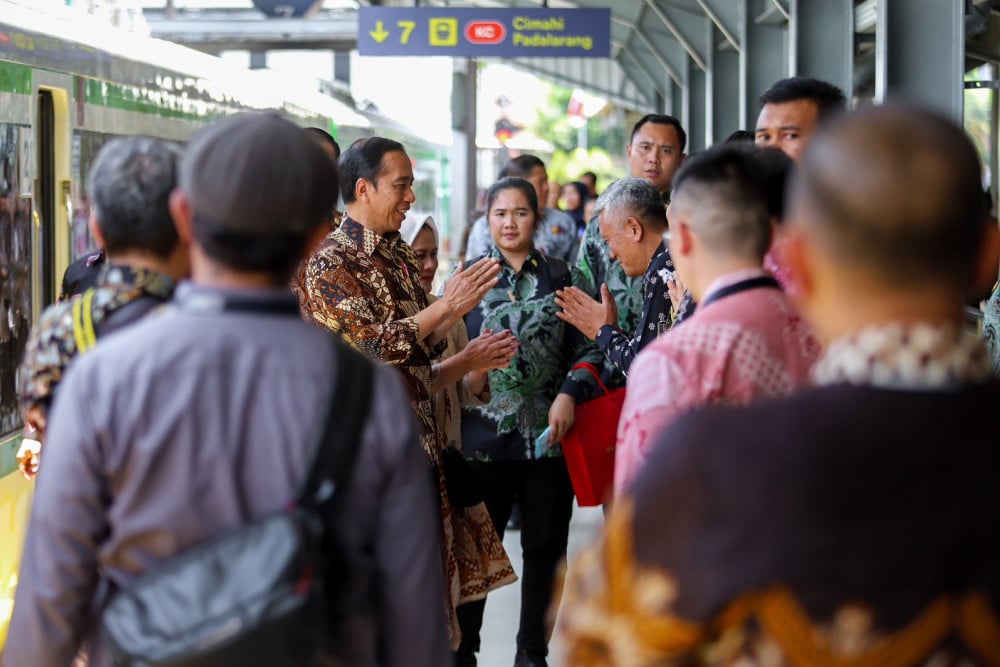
{"x": 584, "y": 313}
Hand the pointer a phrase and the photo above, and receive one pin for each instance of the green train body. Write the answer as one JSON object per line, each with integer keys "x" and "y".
{"x": 67, "y": 86}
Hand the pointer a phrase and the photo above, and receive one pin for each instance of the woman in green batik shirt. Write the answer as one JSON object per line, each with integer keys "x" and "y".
{"x": 537, "y": 391}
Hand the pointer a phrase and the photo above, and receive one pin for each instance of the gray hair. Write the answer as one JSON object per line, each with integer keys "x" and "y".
{"x": 129, "y": 186}
{"x": 639, "y": 198}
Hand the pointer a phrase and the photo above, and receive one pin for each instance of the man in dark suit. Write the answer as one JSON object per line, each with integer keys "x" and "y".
{"x": 854, "y": 522}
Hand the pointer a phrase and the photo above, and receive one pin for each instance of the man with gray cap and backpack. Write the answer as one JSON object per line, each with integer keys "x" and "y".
{"x": 208, "y": 436}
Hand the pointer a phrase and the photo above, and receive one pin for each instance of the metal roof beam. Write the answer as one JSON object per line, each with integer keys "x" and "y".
{"x": 623, "y": 46}
{"x": 642, "y": 68}
{"x": 710, "y": 13}
{"x": 660, "y": 58}
{"x": 221, "y": 30}
{"x": 678, "y": 35}
{"x": 781, "y": 8}
{"x": 618, "y": 98}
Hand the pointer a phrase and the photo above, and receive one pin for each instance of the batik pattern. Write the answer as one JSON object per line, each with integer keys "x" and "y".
{"x": 366, "y": 287}
{"x": 52, "y": 344}
{"x": 596, "y": 265}
{"x": 483, "y": 565}
{"x": 991, "y": 330}
{"x": 910, "y": 357}
{"x": 524, "y": 303}
{"x": 617, "y": 612}
{"x": 657, "y": 314}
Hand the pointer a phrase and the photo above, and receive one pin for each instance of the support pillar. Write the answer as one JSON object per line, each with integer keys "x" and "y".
{"x": 675, "y": 105}
{"x": 823, "y": 41}
{"x": 725, "y": 82}
{"x": 766, "y": 52}
{"x": 920, "y": 53}
{"x": 697, "y": 124}
{"x": 464, "y": 164}
{"x": 342, "y": 66}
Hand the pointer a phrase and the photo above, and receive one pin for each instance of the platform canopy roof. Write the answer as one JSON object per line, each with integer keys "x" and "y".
{"x": 653, "y": 44}
{"x": 665, "y": 54}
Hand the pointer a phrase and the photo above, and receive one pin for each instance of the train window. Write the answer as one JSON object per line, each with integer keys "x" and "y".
{"x": 86, "y": 146}
{"x": 15, "y": 265}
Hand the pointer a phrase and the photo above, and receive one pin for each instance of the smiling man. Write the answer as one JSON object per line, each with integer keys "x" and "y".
{"x": 792, "y": 110}
{"x": 364, "y": 283}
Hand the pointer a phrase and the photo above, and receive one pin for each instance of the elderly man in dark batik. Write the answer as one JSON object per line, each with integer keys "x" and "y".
{"x": 852, "y": 523}
{"x": 633, "y": 221}
{"x": 655, "y": 152}
{"x": 130, "y": 184}
{"x": 364, "y": 283}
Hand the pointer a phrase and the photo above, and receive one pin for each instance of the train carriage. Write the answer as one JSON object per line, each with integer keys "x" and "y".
{"x": 68, "y": 84}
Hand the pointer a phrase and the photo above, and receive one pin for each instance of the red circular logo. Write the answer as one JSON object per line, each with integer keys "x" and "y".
{"x": 485, "y": 32}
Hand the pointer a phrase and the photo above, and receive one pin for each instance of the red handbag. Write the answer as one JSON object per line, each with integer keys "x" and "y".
{"x": 589, "y": 446}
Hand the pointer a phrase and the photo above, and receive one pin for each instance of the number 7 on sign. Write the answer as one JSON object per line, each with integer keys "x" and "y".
{"x": 407, "y": 27}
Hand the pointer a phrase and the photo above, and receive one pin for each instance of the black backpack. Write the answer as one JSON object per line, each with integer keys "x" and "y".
{"x": 264, "y": 593}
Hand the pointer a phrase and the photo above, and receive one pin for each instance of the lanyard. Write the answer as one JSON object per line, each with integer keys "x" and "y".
{"x": 742, "y": 286}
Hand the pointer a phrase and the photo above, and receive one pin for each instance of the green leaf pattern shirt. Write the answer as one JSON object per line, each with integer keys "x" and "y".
{"x": 524, "y": 303}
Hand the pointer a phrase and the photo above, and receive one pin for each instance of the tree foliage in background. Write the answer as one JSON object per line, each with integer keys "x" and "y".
{"x": 605, "y": 134}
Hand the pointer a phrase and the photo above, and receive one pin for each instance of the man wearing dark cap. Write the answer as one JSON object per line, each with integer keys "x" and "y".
{"x": 853, "y": 523}
{"x": 205, "y": 418}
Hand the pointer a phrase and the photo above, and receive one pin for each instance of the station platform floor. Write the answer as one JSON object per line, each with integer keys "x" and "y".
{"x": 503, "y": 606}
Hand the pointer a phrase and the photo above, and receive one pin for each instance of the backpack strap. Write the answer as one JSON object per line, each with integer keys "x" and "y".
{"x": 347, "y": 412}
{"x": 85, "y": 334}
{"x": 127, "y": 313}
{"x": 83, "y": 322}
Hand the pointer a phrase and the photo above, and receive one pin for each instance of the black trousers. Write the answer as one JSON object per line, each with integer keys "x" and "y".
{"x": 545, "y": 494}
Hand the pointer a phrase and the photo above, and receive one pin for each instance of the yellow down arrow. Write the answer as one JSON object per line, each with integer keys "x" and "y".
{"x": 379, "y": 34}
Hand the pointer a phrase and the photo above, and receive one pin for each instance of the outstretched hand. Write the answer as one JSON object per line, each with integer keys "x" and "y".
{"x": 584, "y": 313}
{"x": 490, "y": 351}
{"x": 468, "y": 285}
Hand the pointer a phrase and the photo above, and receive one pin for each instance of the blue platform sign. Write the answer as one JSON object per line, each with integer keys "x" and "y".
{"x": 472, "y": 32}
